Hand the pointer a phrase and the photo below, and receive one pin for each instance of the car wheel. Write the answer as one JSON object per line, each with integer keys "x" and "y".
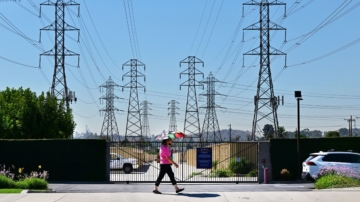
{"x": 127, "y": 168}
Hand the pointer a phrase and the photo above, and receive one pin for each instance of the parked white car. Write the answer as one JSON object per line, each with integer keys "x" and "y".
{"x": 119, "y": 162}
{"x": 313, "y": 164}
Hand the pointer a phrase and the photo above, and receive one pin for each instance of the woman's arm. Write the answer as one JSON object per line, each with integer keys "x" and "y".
{"x": 173, "y": 162}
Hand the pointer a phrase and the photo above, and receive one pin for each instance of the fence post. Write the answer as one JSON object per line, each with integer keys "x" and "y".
{"x": 107, "y": 159}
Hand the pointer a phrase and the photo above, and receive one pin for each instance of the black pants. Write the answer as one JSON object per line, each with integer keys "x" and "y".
{"x": 165, "y": 169}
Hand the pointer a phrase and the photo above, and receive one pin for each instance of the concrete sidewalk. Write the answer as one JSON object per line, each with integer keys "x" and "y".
{"x": 166, "y": 187}
{"x": 321, "y": 196}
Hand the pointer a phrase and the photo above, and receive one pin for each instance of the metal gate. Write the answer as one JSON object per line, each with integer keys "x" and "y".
{"x": 234, "y": 162}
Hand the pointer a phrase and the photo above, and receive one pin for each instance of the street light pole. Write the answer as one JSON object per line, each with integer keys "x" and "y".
{"x": 298, "y": 98}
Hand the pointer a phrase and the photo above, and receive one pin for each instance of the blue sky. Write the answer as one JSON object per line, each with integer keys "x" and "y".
{"x": 169, "y": 31}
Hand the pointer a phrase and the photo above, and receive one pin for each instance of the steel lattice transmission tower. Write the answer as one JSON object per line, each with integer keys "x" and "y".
{"x": 266, "y": 103}
{"x": 133, "y": 122}
{"x": 172, "y": 112}
{"x": 192, "y": 123}
{"x": 210, "y": 129}
{"x": 145, "y": 121}
{"x": 59, "y": 87}
{"x": 109, "y": 127}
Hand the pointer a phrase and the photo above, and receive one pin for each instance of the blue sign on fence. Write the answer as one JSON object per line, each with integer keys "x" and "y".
{"x": 203, "y": 158}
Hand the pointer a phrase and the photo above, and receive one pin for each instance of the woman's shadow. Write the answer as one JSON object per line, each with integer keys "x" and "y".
{"x": 199, "y": 195}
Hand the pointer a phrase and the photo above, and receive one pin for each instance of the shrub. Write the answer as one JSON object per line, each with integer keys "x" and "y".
{"x": 21, "y": 184}
{"x": 335, "y": 181}
{"x": 221, "y": 173}
{"x": 36, "y": 180}
{"x": 214, "y": 164}
{"x": 242, "y": 167}
{"x": 252, "y": 173}
{"x": 6, "y": 182}
{"x": 285, "y": 174}
{"x": 6, "y": 172}
{"x": 31, "y": 183}
{"x": 337, "y": 170}
{"x": 194, "y": 174}
{"x": 36, "y": 183}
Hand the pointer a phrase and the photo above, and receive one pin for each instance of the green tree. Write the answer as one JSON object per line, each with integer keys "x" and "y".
{"x": 268, "y": 131}
{"x": 282, "y": 132}
{"x": 332, "y": 134}
{"x": 344, "y": 132}
{"x": 301, "y": 135}
{"x": 23, "y": 115}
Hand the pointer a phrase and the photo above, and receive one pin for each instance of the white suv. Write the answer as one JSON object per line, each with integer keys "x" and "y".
{"x": 316, "y": 161}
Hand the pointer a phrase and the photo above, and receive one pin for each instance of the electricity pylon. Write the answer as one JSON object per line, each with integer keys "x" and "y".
{"x": 266, "y": 103}
{"x": 145, "y": 121}
{"x": 172, "y": 112}
{"x": 109, "y": 127}
{"x": 192, "y": 123}
{"x": 210, "y": 130}
{"x": 133, "y": 122}
{"x": 59, "y": 87}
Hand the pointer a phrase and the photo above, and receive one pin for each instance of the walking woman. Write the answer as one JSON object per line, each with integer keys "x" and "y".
{"x": 165, "y": 165}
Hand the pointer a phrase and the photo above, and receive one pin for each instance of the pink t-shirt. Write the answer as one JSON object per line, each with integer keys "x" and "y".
{"x": 164, "y": 151}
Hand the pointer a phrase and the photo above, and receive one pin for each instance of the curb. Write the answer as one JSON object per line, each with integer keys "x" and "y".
{"x": 37, "y": 191}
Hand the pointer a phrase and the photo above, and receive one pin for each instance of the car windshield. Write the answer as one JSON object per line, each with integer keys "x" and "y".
{"x": 310, "y": 158}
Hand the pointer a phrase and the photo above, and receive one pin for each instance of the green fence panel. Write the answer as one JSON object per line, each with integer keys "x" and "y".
{"x": 284, "y": 151}
{"x": 66, "y": 160}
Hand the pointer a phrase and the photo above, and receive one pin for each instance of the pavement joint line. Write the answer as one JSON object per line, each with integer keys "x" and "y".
{"x": 25, "y": 191}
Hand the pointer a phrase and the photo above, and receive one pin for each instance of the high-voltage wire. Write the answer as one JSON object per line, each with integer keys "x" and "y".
{"x": 59, "y": 87}
{"x": 172, "y": 113}
{"x": 133, "y": 122}
{"x": 266, "y": 103}
{"x": 192, "y": 123}
{"x": 210, "y": 130}
{"x": 145, "y": 120}
{"x": 109, "y": 127}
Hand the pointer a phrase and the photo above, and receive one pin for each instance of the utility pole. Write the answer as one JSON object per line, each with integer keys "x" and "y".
{"x": 133, "y": 122}
{"x": 109, "y": 127}
{"x": 298, "y": 98}
{"x": 59, "y": 87}
{"x": 230, "y": 132}
{"x": 192, "y": 122}
{"x": 211, "y": 129}
{"x": 266, "y": 103}
{"x": 145, "y": 121}
{"x": 173, "y": 113}
{"x": 350, "y": 125}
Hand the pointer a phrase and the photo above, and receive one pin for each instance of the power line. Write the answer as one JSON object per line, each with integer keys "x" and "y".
{"x": 212, "y": 30}
{"x": 12, "y": 61}
{"x": 99, "y": 35}
{"x": 197, "y": 31}
{"x": 202, "y": 37}
{"x": 127, "y": 23}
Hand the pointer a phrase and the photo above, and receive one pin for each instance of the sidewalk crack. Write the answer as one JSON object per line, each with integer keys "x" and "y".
{"x": 225, "y": 197}
{"x": 61, "y": 197}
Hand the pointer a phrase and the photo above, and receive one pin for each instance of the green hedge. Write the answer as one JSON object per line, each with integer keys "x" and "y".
{"x": 283, "y": 151}
{"x": 66, "y": 160}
